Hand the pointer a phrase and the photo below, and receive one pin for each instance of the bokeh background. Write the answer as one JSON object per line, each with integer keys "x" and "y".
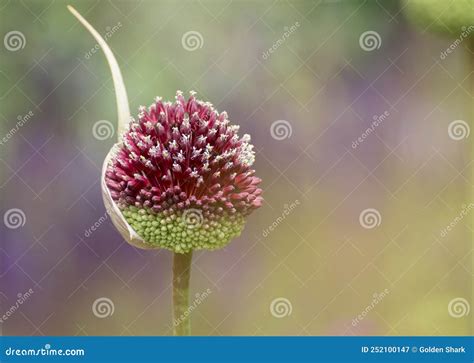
{"x": 320, "y": 267}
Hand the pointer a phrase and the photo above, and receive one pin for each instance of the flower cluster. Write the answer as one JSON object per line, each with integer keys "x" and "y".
{"x": 182, "y": 176}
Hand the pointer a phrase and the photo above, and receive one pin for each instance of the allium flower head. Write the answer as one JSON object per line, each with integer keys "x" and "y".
{"x": 182, "y": 176}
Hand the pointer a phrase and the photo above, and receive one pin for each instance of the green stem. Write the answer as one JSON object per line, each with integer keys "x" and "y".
{"x": 181, "y": 276}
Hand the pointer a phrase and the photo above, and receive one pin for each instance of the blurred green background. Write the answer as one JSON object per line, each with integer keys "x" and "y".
{"x": 319, "y": 267}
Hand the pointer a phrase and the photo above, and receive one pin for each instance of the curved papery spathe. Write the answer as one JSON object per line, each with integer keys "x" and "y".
{"x": 123, "y": 112}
